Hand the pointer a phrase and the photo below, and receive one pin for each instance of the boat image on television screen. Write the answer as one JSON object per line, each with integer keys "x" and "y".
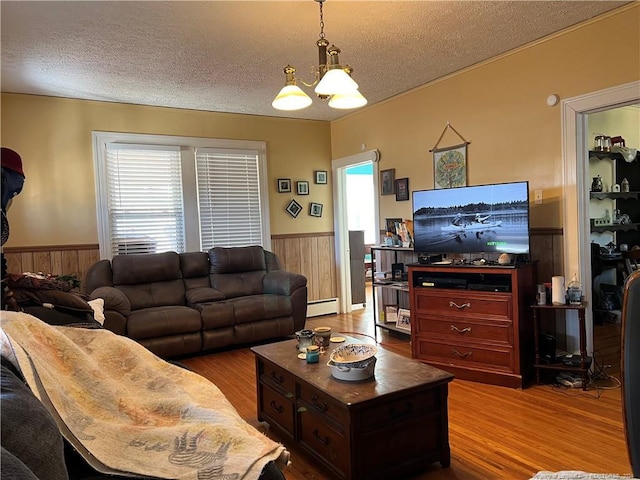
{"x": 478, "y": 219}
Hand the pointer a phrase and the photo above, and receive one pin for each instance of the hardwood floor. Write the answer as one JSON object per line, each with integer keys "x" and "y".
{"x": 494, "y": 432}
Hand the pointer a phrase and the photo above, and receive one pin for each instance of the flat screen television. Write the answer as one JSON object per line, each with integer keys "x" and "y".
{"x": 478, "y": 219}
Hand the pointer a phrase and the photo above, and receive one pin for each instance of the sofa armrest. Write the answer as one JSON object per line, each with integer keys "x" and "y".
{"x": 281, "y": 282}
{"x": 203, "y": 295}
{"x": 114, "y": 300}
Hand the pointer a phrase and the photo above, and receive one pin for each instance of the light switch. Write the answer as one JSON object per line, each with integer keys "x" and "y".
{"x": 538, "y": 197}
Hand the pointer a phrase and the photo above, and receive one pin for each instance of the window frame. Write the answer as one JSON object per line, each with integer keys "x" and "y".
{"x": 188, "y": 146}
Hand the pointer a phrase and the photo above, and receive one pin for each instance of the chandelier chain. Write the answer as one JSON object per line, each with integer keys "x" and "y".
{"x": 321, "y": 20}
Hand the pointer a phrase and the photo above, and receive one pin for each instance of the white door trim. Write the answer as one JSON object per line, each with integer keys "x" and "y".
{"x": 576, "y": 234}
{"x": 341, "y": 226}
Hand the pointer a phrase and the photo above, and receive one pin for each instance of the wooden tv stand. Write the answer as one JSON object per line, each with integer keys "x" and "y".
{"x": 474, "y": 321}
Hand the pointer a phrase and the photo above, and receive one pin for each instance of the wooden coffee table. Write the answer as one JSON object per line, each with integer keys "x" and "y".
{"x": 389, "y": 426}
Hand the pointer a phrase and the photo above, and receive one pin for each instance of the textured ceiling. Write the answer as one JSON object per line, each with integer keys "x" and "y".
{"x": 228, "y": 56}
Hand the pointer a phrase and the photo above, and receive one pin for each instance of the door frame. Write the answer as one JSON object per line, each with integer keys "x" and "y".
{"x": 575, "y": 157}
{"x": 340, "y": 220}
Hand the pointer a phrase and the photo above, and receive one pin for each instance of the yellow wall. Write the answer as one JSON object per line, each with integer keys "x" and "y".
{"x": 57, "y": 205}
{"x": 499, "y": 107}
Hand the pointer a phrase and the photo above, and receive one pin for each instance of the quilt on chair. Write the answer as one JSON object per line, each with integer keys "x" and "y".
{"x": 129, "y": 412}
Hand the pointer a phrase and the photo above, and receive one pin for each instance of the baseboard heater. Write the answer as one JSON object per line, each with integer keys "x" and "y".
{"x": 325, "y": 306}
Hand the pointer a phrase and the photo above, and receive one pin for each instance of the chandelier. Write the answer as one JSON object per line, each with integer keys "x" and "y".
{"x": 332, "y": 80}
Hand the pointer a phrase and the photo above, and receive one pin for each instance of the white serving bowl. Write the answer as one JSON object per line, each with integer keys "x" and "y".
{"x": 353, "y": 353}
{"x": 353, "y": 372}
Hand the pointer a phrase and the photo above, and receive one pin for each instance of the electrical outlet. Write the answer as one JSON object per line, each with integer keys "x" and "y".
{"x": 538, "y": 197}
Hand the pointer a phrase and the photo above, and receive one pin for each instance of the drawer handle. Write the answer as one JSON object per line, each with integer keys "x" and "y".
{"x": 276, "y": 407}
{"x": 461, "y": 355}
{"x": 460, "y": 307}
{"x": 462, "y": 332}
{"x": 320, "y": 406}
{"x": 276, "y": 377}
{"x": 324, "y": 441}
{"x": 393, "y": 413}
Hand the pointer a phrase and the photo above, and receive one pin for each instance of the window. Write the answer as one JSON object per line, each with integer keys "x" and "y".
{"x": 160, "y": 193}
{"x": 228, "y": 198}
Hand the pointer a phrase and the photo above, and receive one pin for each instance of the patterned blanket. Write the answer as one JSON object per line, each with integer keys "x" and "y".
{"x": 129, "y": 412}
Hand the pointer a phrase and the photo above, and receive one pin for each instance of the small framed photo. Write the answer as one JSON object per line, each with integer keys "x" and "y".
{"x": 390, "y": 313}
{"x": 315, "y": 209}
{"x": 294, "y": 208}
{"x": 284, "y": 185}
{"x": 302, "y": 188}
{"x": 390, "y": 224}
{"x": 402, "y": 189}
{"x": 387, "y": 181}
{"x": 404, "y": 319}
{"x": 321, "y": 177}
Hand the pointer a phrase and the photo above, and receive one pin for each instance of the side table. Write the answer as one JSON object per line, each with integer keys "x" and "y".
{"x": 583, "y": 369}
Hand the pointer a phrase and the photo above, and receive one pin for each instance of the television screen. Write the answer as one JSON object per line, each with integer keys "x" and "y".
{"x": 478, "y": 219}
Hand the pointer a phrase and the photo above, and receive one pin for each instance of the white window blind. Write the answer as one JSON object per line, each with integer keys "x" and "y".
{"x": 144, "y": 198}
{"x": 229, "y": 198}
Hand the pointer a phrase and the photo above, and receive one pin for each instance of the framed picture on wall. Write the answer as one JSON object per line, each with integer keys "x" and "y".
{"x": 315, "y": 209}
{"x": 387, "y": 181}
{"x": 294, "y": 208}
{"x": 284, "y": 185}
{"x": 302, "y": 188}
{"x": 402, "y": 189}
{"x": 450, "y": 166}
{"x": 321, "y": 177}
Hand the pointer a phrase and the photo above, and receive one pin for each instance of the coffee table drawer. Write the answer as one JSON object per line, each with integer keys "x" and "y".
{"x": 277, "y": 376}
{"x": 402, "y": 409}
{"x": 277, "y": 408}
{"x": 319, "y": 437}
{"x": 324, "y": 404}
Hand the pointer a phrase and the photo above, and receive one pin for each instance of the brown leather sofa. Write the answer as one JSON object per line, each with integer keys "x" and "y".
{"x": 177, "y": 304}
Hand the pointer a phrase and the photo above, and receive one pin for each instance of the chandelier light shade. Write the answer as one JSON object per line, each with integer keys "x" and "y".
{"x": 331, "y": 80}
{"x": 291, "y": 97}
{"x": 346, "y": 101}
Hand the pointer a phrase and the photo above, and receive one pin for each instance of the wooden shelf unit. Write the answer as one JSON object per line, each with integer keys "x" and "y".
{"x": 585, "y": 363}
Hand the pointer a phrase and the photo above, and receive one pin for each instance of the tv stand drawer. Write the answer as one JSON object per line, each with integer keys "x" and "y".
{"x": 466, "y": 304}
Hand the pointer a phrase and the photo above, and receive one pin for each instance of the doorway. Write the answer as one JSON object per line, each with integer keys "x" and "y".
{"x": 611, "y": 243}
{"x": 349, "y": 192}
{"x": 576, "y": 222}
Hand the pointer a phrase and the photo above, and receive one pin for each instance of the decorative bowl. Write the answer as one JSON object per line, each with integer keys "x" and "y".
{"x": 353, "y": 372}
{"x": 353, "y": 353}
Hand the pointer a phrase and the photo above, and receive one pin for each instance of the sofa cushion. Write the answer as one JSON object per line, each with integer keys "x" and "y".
{"x": 157, "y": 294}
{"x": 163, "y": 321}
{"x": 202, "y": 295}
{"x": 252, "y": 308}
{"x": 216, "y": 315}
{"x": 239, "y": 284}
{"x": 145, "y": 268}
{"x": 237, "y": 259}
{"x": 259, "y": 307}
{"x": 194, "y": 264}
{"x": 29, "y": 433}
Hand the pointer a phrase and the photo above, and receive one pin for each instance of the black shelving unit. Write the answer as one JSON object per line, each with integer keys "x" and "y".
{"x": 399, "y": 288}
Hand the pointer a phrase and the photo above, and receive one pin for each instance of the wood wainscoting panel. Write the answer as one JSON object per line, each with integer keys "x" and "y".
{"x": 54, "y": 259}
{"x": 547, "y": 253}
{"x": 312, "y": 255}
